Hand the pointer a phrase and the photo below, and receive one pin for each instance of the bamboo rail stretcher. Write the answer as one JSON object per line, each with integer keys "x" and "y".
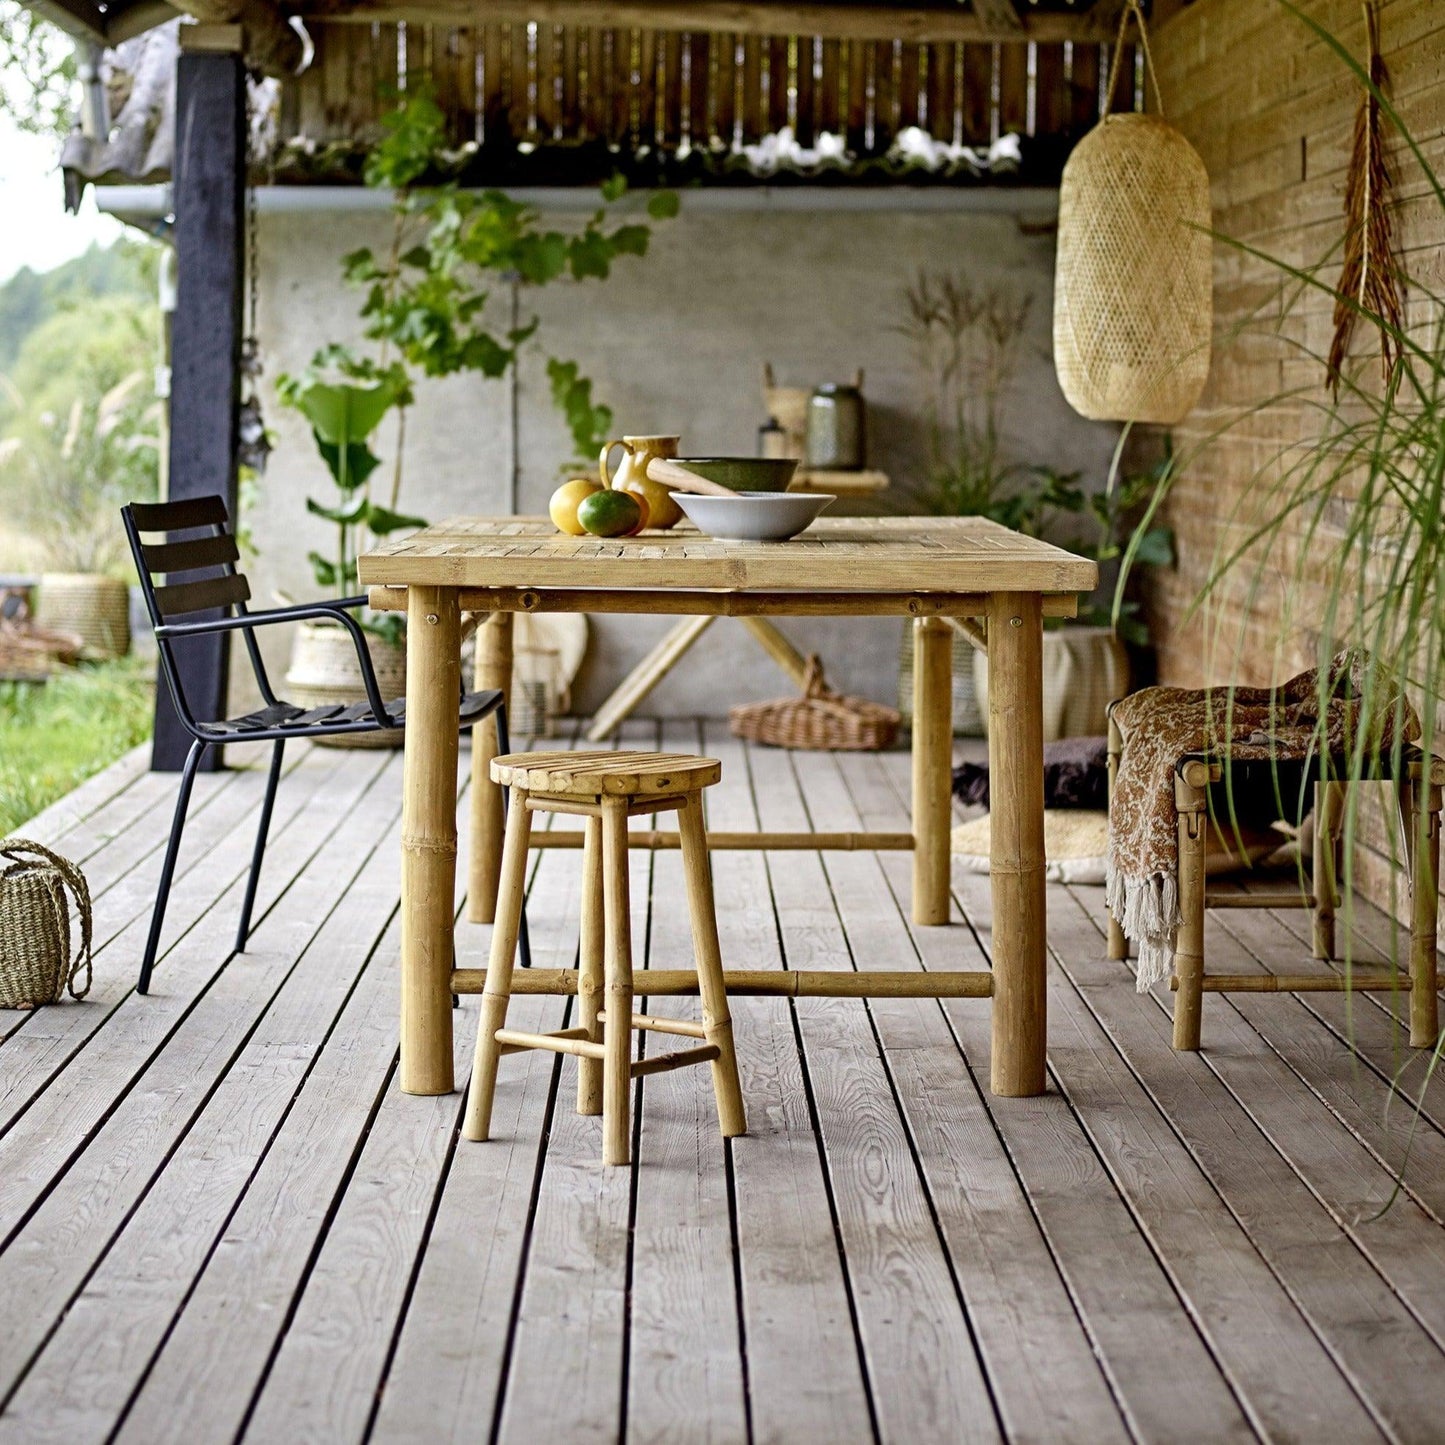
{"x": 757, "y": 982}
{"x": 861, "y": 842}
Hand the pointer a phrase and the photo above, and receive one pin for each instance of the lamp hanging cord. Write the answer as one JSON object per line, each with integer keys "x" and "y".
{"x": 1132, "y": 8}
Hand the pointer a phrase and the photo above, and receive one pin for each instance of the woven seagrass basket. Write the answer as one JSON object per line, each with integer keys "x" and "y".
{"x": 324, "y": 669}
{"x": 820, "y": 718}
{"x": 36, "y": 891}
{"x": 1133, "y": 281}
{"x": 95, "y": 609}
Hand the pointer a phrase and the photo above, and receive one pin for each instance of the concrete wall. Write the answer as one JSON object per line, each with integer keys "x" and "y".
{"x": 675, "y": 342}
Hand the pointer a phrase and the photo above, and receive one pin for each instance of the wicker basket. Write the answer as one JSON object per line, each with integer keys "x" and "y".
{"x": 36, "y": 963}
{"x": 1133, "y": 283}
{"x": 819, "y": 719}
{"x": 95, "y": 609}
{"x": 324, "y": 670}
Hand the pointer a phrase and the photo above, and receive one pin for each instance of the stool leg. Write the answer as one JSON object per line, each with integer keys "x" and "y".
{"x": 1324, "y": 875}
{"x": 1189, "y": 947}
{"x": 617, "y": 1035}
{"x": 1424, "y": 908}
{"x": 1118, "y": 945}
{"x": 590, "y": 980}
{"x": 510, "y": 892}
{"x": 732, "y": 1117}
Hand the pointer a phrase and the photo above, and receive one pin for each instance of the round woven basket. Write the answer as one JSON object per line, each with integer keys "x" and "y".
{"x": 324, "y": 669}
{"x": 819, "y": 719}
{"x": 37, "y": 960}
{"x": 1133, "y": 303}
{"x": 93, "y": 608}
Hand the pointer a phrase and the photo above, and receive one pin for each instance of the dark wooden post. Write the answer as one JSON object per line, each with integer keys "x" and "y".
{"x": 209, "y": 177}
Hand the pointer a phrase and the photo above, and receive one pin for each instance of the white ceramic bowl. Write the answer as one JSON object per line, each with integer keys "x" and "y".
{"x": 753, "y": 516}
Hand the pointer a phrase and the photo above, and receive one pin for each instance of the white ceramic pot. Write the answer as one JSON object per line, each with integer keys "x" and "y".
{"x": 324, "y": 669}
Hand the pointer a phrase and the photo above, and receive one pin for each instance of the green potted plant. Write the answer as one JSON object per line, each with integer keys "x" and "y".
{"x": 1086, "y": 661}
{"x": 71, "y": 470}
{"x": 345, "y": 402}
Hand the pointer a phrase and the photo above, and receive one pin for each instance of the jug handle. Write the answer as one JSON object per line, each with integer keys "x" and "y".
{"x": 602, "y": 470}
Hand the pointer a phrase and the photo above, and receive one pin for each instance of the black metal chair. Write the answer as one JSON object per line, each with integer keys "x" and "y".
{"x": 195, "y": 538}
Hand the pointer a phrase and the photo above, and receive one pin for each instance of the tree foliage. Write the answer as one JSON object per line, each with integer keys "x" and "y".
{"x": 37, "y": 71}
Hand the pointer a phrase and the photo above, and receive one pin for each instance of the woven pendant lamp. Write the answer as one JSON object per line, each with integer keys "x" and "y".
{"x": 1133, "y": 297}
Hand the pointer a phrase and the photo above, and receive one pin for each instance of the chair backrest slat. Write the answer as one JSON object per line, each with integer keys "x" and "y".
{"x": 173, "y": 557}
{"x": 177, "y": 516}
{"x": 182, "y": 597}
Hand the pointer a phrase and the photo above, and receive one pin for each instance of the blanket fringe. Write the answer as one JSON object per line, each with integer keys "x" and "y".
{"x": 1147, "y": 909}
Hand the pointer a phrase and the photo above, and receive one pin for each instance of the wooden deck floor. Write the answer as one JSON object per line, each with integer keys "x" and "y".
{"x": 221, "y": 1220}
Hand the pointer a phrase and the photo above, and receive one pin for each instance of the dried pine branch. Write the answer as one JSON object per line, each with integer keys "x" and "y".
{"x": 1367, "y": 281}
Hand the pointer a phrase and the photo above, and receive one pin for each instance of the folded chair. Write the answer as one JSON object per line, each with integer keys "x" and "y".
{"x": 194, "y": 537}
{"x": 1418, "y": 781}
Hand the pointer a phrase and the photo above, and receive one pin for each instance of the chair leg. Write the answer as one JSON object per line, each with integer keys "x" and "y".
{"x": 168, "y": 867}
{"x": 243, "y": 931}
{"x": 1193, "y": 809}
{"x": 590, "y": 980}
{"x": 1324, "y": 876}
{"x": 617, "y": 1033}
{"x": 1118, "y": 948}
{"x": 497, "y": 994}
{"x": 1424, "y": 908}
{"x": 717, "y": 1021}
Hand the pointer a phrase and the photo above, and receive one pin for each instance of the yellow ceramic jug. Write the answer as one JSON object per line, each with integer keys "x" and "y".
{"x": 631, "y": 476}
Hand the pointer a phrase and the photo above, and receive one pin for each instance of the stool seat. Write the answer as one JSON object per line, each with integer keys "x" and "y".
{"x": 610, "y": 774}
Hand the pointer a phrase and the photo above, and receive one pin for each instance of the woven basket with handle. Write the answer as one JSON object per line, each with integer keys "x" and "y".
{"x": 36, "y": 961}
{"x": 820, "y": 718}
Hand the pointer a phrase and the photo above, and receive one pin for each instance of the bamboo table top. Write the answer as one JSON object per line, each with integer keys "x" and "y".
{"x": 857, "y": 555}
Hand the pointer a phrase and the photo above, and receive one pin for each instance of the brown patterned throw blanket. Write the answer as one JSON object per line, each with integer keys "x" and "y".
{"x": 1162, "y": 725}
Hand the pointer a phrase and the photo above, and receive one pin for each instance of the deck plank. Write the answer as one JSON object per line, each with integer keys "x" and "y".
{"x": 58, "y": 1244}
{"x": 1381, "y": 1348}
{"x": 226, "y": 1222}
{"x": 910, "y": 1320}
{"x": 1045, "y": 1378}
{"x": 805, "y": 1374}
{"x": 685, "y": 1360}
{"x": 450, "y": 1357}
{"x": 217, "y": 852}
{"x": 129, "y": 1305}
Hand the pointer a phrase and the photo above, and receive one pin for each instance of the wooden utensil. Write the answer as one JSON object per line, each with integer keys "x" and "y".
{"x": 682, "y": 480}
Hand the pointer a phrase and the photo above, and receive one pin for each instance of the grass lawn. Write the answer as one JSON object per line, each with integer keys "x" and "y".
{"x": 55, "y": 735}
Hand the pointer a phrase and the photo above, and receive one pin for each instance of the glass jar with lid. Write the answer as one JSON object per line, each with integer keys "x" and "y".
{"x": 836, "y": 438}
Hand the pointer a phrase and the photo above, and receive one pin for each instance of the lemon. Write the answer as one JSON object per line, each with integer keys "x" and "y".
{"x": 565, "y": 502}
{"x": 610, "y": 514}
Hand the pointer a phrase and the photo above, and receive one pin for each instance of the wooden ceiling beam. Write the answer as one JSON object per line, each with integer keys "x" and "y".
{"x": 985, "y": 23}
{"x": 270, "y": 42}
{"x": 76, "y": 17}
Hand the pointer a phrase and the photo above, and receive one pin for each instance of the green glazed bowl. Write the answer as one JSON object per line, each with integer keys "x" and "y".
{"x": 742, "y": 474}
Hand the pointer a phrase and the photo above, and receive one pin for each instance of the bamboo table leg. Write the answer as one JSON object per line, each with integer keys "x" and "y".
{"x": 493, "y": 671}
{"x": 1016, "y": 794}
{"x": 932, "y": 767}
{"x": 429, "y": 838}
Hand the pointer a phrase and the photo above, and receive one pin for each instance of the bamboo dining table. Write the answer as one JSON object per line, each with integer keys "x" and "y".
{"x": 935, "y": 570}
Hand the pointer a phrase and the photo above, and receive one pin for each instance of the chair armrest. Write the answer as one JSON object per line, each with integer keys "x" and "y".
{"x": 300, "y": 612}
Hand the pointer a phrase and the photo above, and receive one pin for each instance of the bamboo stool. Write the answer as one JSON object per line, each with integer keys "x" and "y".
{"x": 606, "y": 789}
{"x": 1418, "y": 793}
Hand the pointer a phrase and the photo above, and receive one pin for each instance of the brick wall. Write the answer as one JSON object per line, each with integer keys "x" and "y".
{"x": 1271, "y": 110}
